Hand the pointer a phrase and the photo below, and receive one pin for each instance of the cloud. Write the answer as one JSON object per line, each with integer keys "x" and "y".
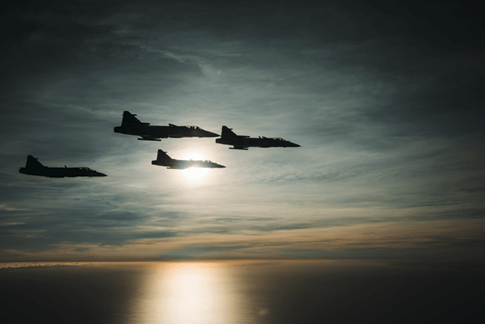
{"x": 16, "y": 265}
{"x": 387, "y": 110}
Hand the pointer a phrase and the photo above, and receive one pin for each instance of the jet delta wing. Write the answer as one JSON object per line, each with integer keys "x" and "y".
{"x": 132, "y": 126}
{"x": 34, "y": 167}
{"x": 164, "y": 160}
{"x": 242, "y": 142}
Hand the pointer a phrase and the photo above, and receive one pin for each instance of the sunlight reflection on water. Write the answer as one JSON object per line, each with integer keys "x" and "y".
{"x": 188, "y": 293}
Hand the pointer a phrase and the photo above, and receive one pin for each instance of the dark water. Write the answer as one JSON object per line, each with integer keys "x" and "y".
{"x": 240, "y": 292}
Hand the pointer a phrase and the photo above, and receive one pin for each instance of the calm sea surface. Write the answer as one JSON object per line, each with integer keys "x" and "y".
{"x": 277, "y": 292}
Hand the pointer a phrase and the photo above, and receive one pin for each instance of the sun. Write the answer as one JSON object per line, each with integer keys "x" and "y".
{"x": 194, "y": 173}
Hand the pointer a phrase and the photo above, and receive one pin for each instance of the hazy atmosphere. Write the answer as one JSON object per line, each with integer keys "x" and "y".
{"x": 386, "y": 101}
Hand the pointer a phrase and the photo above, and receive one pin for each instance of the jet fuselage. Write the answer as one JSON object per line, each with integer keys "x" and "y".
{"x": 34, "y": 167}
{"x": 257, "y": 142}
{"x": 164, "y": 160}
{"x": 185, "y": 164}
{"x": 242, "y": 142}
{"x": 62, "y": 172}
{"x": 157, "y": 132}
{"x": 130, "y": 125}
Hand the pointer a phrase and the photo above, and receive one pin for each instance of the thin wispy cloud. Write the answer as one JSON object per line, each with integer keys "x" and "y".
{"x": 386, "y": 105}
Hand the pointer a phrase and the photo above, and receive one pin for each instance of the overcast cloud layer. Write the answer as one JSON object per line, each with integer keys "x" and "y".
{"x": 385, "y": 100}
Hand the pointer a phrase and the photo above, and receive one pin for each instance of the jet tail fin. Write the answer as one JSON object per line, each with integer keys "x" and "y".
{"x": 227, "y": 133}
{"x": 32, "y": 163}
{"x": 129, "y": 119}
{"x": 163, "y": 156}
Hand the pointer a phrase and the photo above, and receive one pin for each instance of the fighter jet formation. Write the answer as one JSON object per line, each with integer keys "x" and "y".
{"x": 130, "y": 125}
{"x": 34, "y": 167}
{"x": 242, "y": 142}
{"x": 164, "y": 160}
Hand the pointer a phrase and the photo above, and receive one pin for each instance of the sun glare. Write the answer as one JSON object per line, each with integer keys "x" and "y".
{"x": 194, "y": 173}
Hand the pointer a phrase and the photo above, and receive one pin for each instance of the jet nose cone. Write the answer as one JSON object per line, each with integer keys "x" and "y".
{"x": 295, "y": 145}
{"x": 99, "y": 174}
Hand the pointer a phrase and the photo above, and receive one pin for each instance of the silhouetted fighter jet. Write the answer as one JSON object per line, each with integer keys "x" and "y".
{"x": 132, "y": 126}
{"x": 242, "y": 142}
{"x": 34, "y": 167}
{"x": 164, "y": 160}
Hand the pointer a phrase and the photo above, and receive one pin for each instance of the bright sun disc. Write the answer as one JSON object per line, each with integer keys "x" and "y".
{"x": 194, "y": 173}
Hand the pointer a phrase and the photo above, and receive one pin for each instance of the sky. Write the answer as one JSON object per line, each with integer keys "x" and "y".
{"x": 385, "y": 98}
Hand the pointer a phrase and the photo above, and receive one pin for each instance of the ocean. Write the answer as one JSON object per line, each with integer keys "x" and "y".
{"x": 259, "y": 292}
